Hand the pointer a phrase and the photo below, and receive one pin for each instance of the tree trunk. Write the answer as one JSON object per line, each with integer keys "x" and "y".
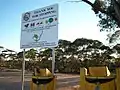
{"x": 117, "y": 10}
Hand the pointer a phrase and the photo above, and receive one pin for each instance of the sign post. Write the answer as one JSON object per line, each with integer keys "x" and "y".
{"x": 39, "y": 28}
{"x": 53, "y": 60}
{"x": 23, "y": 69}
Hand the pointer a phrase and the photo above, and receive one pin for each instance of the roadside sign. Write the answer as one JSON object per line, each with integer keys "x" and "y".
{"x": 39, "y": 28}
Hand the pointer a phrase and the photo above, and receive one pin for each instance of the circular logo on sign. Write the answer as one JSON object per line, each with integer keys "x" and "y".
{"x": 50, "y": 20}
{"x": 26, "y": 16}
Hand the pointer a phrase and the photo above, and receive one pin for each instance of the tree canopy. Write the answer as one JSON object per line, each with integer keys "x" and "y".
{"x": 109, "y": 13}
{"x": 69, "y": 56}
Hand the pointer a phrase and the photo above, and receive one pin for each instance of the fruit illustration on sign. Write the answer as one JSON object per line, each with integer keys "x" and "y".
{"x": 36, "y": 37}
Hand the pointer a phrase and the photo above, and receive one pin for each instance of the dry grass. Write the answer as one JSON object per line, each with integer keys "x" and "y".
{"x": 70, "y": 88}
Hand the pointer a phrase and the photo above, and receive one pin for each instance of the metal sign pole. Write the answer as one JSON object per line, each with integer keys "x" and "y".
{"x": 53, "y": 60}
{"x": 23, "y": 69}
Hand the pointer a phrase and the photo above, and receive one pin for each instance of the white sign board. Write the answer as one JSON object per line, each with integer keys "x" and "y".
{"x": 39, "y": 28}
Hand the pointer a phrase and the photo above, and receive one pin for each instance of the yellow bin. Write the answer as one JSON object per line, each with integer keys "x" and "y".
{"x": 44, "y": 80}
{"x": 97, "y": 78}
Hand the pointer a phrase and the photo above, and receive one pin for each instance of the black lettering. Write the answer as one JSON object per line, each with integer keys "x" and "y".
{"x": 34, "y": 16}
{"x": 41, "y": 14}
{"x": 53, "y": 11}
{"x": 50, "y": 8}
{"x": 43, "y": 10}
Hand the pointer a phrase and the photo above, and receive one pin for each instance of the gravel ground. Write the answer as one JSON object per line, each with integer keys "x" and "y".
{"x": 12, "y": 81}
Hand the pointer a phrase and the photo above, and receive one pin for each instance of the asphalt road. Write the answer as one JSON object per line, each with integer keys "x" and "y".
{"x": 12, "y": 80}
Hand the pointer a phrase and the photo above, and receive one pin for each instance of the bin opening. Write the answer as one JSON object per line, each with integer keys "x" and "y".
{"x": 42, "y": 80}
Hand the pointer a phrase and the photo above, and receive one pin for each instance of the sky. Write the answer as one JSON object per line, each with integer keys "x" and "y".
{"x": 76, "y": 20}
